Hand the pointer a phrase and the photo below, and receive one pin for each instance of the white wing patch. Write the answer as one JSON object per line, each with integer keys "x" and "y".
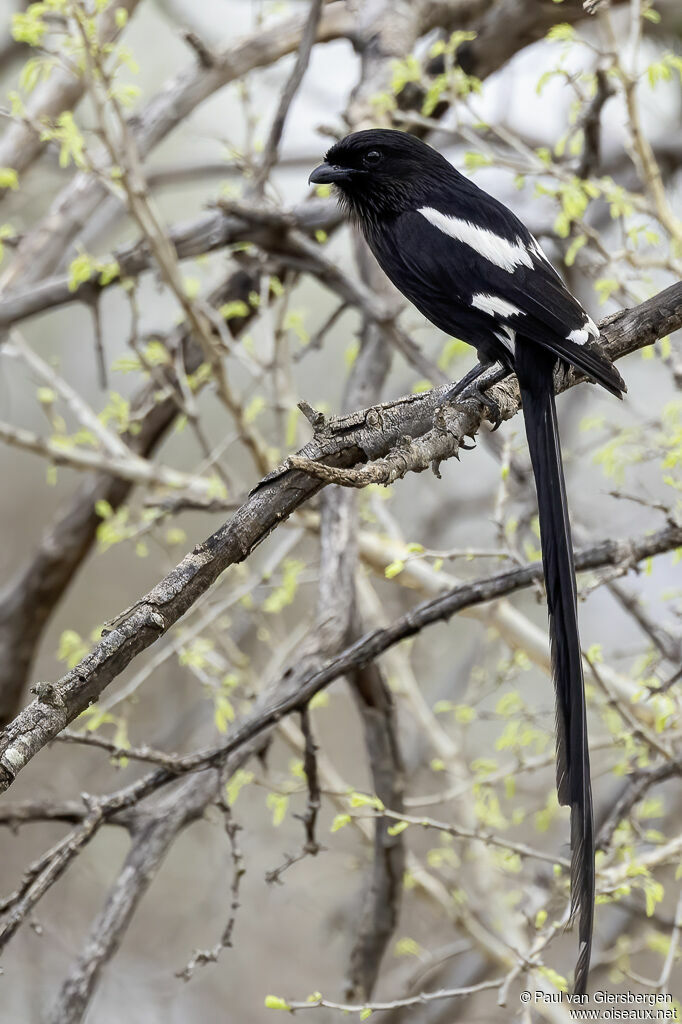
{"x": 500, "y": 251}
{"x": 493, "y": 304}
{"x": 536, "y": 249}
{"x": 581, "y": 334}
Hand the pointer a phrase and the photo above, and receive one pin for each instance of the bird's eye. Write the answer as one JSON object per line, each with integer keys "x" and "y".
{"x": 373, "y": 158}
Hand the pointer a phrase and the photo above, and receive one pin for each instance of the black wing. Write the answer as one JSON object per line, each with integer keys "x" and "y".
{"x": 476, "y": 272}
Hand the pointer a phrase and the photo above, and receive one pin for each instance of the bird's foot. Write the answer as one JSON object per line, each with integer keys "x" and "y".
{"x": 490, "y": 405}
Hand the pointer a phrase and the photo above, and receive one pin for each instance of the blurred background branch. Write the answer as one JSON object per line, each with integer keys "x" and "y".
{"x": 178, "y": 317}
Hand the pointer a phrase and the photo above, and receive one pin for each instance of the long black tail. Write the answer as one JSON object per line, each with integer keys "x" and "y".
{"x": 534, "y": 369}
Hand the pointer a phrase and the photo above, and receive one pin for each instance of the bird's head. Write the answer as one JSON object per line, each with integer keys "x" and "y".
{"x": 381, "y": 171}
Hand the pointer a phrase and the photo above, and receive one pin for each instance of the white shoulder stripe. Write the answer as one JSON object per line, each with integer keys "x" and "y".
{"x": 493, "y": 304}
{"x": 492, "y": 247}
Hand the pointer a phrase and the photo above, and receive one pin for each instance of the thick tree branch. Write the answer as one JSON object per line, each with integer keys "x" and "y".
{"x": 215, "y": 229}
{"x": 27, "y": 734}
{"x": 359, "y": 437}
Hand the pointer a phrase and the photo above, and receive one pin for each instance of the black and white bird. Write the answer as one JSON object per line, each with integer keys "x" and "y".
{"x": 475, "y": 271}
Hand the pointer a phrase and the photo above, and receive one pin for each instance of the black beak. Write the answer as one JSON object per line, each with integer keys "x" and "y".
{"x": 329, "y": 174}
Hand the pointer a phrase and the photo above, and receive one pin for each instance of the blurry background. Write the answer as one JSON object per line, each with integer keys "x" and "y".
{"x": 536, "y": 124}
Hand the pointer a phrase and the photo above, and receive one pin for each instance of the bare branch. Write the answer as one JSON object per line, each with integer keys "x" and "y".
{"x": 43, "y": 248}
{"x": 371, "y": 434}
{"x": 394, "y": 1004}
{"x": 381, "y": 905}
{"x": 21, "y": 143}
{"x": 201, "y": 957}
{"x": 151, "y": 841}
{"x": 27, "y": 601}
{"x": 290, "y": 89}
{"x": 212, "y": 230}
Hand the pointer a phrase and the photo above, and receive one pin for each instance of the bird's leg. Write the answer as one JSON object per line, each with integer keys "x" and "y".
{"x": 469, "y": 381}
{"x": 460, "y": 385}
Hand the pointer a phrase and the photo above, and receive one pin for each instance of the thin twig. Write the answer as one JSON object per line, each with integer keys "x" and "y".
{"x": 271, "y": 149}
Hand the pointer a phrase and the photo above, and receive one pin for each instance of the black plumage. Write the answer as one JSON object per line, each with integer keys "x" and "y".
{"x": 475, "y": 271}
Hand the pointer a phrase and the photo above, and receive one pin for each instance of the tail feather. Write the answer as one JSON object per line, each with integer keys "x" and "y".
{"x": 534, "y": 369}
{"x": 590, "y": 360}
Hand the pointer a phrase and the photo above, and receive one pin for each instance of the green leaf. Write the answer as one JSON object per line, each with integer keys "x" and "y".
{"x": 555, "y": 978}
{"x": 351, "y": 353}
{"x": 407, "y": 947}
{"x": 604, "y": 287}
{"x": 29, "y": 28}
{"x": 9, "y": 178}
{"x": 46, "y": 396}
{"x": 230, "y": 310}
{"x": 278, "y": 804}
{"x": 72, "y": 648}
{"x": 573, "y": 249}
{"x": 71, "y": 142}
{"x": 509, "y": 704}
{"x": 223, "y": 714}
{"x": 175, "y": 536}
{"x": 474, "y": 160}
{"x": 340, "y": 821}
{"x": 103, "y": 509}
{"x": 254, "y": 409}
{"x": 653, "y": 894}
{"x": 295, "y": 321}
{"x": 320, "y": 700}
{"x": 108, "y": 272}
{"x": 442, "y": 707}
{"x": 405, "y": 71}
{"x": 276, "y": 1003}
{"x": 366, "y": 800}
{"x": 234, "y": 786}
{"x": 286, "y": 592}
{"x": 561, "y": 33}
{"x": 80, "y": 270}
{"x": 192, "y": 286}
